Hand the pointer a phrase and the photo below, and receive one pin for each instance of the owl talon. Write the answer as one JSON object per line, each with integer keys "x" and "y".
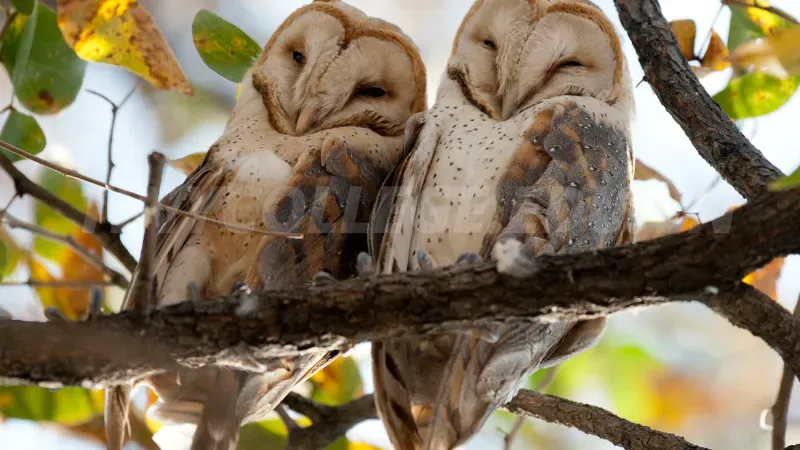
{"x": 54, "y": 314}
{"x": 424, "y": 260}
{"x": 323, "y": 278}
{"x": 194, "y": 291}
{"x": 469, "y": 258}
{"x": 365, "y": 265}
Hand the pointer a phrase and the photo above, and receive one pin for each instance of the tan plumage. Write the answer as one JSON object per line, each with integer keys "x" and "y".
{"x": 527, "y": 150}
{"x": 320, "y": 114}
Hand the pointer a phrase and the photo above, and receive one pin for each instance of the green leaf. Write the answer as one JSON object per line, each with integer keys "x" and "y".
{"x": 22, "y": 130}
{"x": 338, "y": 383}
{"x": 46, "y": 73}
{"x": 24, "y": 6}
{"x": 755, "y": 94}
{"x": 748, "y": 24}
{"x": 67, "y": 406}
{"x": 790, "y": 182}
{"x": 224, "y": 47}
{"x": 68, "y": 190}
{"x": 271, "y": 434}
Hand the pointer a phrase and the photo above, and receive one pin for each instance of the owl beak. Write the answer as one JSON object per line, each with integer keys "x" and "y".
{"x": 509, "y": 107}
{"x": 305, "y": 120}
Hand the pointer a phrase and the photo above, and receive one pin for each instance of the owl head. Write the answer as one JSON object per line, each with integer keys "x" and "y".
{"x": 330, "y": 65}
{"x": 511, "y": 54}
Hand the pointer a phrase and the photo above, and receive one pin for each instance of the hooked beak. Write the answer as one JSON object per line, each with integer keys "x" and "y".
{"x": 509, "y": 108}
{"x": 306, "y": 119}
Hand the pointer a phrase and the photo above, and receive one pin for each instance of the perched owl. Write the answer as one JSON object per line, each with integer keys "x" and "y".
{"x": 318, "y": 125}
{"x": 526, "y": 151}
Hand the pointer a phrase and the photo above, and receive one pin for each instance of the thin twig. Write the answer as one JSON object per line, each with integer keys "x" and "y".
{"x": 143, "y": 294}
{"x": 130, "y": 220}
{"x": 116, "y": 278}
{"x": 103, "y": 232}
{"x": 58, "y": 284}
{"x": 78, "y": 176}
{"x": 286, "y": 418}
{"x": 114, "y": 110}
{"x": 780, "y": 410}
{"x": 771, "y": 9}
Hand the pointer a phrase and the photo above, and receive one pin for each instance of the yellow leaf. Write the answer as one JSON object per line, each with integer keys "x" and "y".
{"x": 361, "y": 446}
{"x": 645, "y": 172}
{"x": 188, "y": 163}
{"x": 679, "y": 399}
{"x": 757, "y": 56}
{"x": 49, "y": 296}
{"x": 6, "y": 400}
{"x": 152, "y": 425}
{"x": 786, "y": 46}
{"x": 766, "y": 278}
{"x": 717, "y": 54}
{"x": 75, "y": 268}
{"x": 685, "y": 32}
{"x": 654, "y": 230}
{"x": 121, "y": 32}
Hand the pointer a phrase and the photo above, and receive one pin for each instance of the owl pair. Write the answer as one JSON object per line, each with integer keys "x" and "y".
{"x": 526, "y": 151}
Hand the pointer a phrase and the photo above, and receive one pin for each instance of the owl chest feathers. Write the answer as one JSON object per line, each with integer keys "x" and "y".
{"x": 459, "y": 196}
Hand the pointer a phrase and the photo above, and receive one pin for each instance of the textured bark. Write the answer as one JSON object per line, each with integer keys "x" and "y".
{"x": 596, "y": 421}
{"x": 713, "y": 134}
{"x": 703, "y": 264}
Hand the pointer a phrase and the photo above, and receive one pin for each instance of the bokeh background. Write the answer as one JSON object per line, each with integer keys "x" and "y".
{"x": 677, "y": 368}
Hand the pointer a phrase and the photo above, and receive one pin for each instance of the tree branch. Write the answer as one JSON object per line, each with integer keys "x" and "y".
{"x": 780, "y": 410}
{"x": 116, "y": 278}
{"x": 713, "y": 134}
{"x": 704, "y": 264}
{"x": 103, "y": 232}
{"x": 595, "y": 421}
{"x": 328, "y": 423}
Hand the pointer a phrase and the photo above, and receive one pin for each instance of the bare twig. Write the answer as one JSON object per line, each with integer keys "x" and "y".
{"x": 130, "y": 220}
{"x": 595, "y": 421}
{"x": 780, "y": 410}
{"x": 771, "y": 9}
{"x": 114, "y": 110}
{"x": 699, "y": 264}
{"x": 58, "y": 284}
{"x": 713, "y": 134}
{"x": 78, "y": 176}
{"x": 117, "y": 279}
{"x": 143, "y": 287}
{"x": 103, "y": 232}
{"x": 509, "y": 439}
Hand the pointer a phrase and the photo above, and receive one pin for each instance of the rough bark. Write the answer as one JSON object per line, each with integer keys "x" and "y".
{"x": 703, "y": 264}
{"x": 713, "y": 134}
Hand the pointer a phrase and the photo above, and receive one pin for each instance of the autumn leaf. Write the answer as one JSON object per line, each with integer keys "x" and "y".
{"x": 645, "y": 172}
{"x": 766, "y": 278}
{"x": 187, "y": 164}
{"x": 338, "y": 383}
{"x": 717, "y": 56}
{"x": 122, "y": 33}
{"x": 654, "y": 230}
{"x": 685, "y": 32}
{"x": 45, "y": 72}
{"x": 778, "y": 54}
{"x": 14, "y": 253}
{"x": 67, "y": 406}
{"x": 756, "y": 94}
{"x": 75, "y": 268}
{"x": 224, "y": 47}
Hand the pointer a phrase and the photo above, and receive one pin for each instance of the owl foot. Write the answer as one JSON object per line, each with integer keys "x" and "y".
{"x": 425, "y": 260}
{"x": 322, "y": 278}
{"x": 365, "y": 266}
{"x": 469, "y": 258}
{"x": 512, "y": 261}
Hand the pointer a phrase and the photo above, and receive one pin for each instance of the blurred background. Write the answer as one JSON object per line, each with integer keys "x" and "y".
{"x": 677, "y": 368}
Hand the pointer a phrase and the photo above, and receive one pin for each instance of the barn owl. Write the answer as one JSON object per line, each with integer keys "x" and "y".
{"x": 527, "y": 151}
{"x": 318, "y": 125}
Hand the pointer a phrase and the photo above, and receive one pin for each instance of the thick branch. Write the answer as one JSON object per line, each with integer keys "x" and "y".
{"x": 103, "y": 232}
{"x": 714, "y": 135}
{"x": 595, "y": 421}
{"x": 703, "y": 264}
{"x": 329, "y": 423}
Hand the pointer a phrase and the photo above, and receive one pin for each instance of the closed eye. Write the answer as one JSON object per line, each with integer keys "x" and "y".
{"x": 571, "y": 63}
{"x": 488, "y": 43}
{"x": 372, "y": 91}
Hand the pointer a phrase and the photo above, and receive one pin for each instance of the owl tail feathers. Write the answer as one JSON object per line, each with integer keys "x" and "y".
{"x": 116, "y": 416}
{"x": 219, "y": 424}
{"x": 441, "y": 419}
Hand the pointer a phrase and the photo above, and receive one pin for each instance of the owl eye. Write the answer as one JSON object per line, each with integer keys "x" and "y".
{"x": 488, "y": 43}
{"x": 372, "y": 91}
{"x": 571, "y": 63}
{"x": 298, "y": 57}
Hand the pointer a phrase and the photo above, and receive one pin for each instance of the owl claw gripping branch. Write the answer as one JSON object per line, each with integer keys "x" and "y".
{"x": 317, "y": 127}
